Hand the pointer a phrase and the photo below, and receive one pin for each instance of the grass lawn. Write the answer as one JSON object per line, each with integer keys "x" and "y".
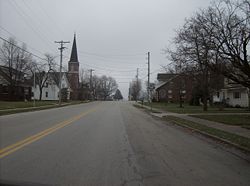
{"x": 189, "y": 109}
{"x": 15, "y": 107}
{"x": 240, "y": 120}
{"x": 234, "y": 138}
{"x": 21, "y": 104}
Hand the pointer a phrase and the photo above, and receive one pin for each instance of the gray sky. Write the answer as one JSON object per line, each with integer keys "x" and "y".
{"x": 113, "y": 36}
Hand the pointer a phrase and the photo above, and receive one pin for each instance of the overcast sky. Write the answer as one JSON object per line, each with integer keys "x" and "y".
{"x": 113, "y": 36}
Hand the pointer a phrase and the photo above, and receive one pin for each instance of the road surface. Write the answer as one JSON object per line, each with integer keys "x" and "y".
{"x": 110, "y": 144}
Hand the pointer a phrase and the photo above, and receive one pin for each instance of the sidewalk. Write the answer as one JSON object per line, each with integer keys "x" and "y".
{"x": 228, "y": 128}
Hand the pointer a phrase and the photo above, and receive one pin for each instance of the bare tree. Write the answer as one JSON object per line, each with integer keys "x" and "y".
{"x": 16, "y": 60}
{"x": 191, "y": 56}
{"x": 103, "y": 86}
{"x": 226, "y": 27}
{"x": 96, "y": 86}
{"x": 108, "y": 85}
{"x": 42, "y": 72}
{"x": 217, "y": 39}
{"x": 135, "y": 89}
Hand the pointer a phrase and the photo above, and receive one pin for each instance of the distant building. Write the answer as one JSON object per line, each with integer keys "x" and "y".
{"x": 17, "y": 89}
{"x": 70, "y": 82}
{"x": 51, "y": 89}
{"x": 173, "y": 87}
{"x": 232, "y": 94}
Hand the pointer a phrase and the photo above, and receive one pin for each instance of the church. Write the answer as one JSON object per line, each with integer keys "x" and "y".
{"x": 69, "y": 82}
{"x": 73, "y": 72}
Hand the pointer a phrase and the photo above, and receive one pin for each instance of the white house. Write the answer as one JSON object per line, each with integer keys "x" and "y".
{"x": 232, "y": 94}
{"x": 51, "y": 89}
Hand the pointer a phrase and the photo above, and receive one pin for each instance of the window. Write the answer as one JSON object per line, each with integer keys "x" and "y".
{"x": 5, "y": 89}
{"x": 162, "y": 93}
{"x": 236, "y": 95}
{"x": 46, "y": 94}
{"x": 170, "y": 91}
{"x": 218, "y": 94}
{"x": 170, "y": 96}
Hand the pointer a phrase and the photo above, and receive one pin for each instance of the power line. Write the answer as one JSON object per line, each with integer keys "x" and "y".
{"x": 51, "y": 18}
{"x": 38, "y": 18}
{"x": 22, "y": 48}
{"x": 19, "y": 39}
{"x": 117, "y": 61}
{"x": 22, "y": 14}
{"x": 111, "y": 55}
{"x": 109, "y": 69}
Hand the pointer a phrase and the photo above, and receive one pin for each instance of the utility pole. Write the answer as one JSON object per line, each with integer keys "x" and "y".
{"x": 91, "y": 84}
{"x": 180, "y": 85}
{"x": 137, "y": 83}
{"x": 34, "y": 84}
{"x": 148, "y": 88}
{"x": 60, "y": 73}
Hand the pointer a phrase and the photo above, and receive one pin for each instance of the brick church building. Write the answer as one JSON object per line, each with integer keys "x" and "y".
{"x": 73, "y": 72}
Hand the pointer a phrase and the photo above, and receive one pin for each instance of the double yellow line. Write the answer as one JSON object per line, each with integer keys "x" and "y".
{"x": 20, "y": 144}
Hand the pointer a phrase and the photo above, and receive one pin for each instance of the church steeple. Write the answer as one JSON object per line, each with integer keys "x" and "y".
{"x": 74, "y": 57}
{"x": 73, "y": 71}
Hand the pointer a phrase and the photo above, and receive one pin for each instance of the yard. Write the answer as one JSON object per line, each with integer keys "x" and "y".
{"x": 239, "y": 120}
{"x": 21, "y": 104}
{"x": 233, "y": 138}
{"x": 12, "y": 107}
{"x": 190, "y": 109}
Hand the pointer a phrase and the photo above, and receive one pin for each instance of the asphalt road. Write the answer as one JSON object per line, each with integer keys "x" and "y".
{"x": 110, "y": 144}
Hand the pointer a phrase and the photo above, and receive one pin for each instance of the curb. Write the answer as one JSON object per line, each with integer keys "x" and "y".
{"x": 204, "y": 133}
{"x": 30, "y": 109}
{"x": 212, "y": 136}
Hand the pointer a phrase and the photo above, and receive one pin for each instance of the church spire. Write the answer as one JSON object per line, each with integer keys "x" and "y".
{"x": 74, "y": 57}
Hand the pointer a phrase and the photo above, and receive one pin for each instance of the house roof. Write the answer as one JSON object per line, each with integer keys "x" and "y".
{"x": 160, "y": 85}
{"x": 55, "y": 76}
{"x": 165, "y": 78}
{"x": 4, "y": 73}
{"x": 74, "y": 56}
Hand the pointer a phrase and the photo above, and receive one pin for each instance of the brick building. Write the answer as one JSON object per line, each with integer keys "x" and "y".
{"x": 14, "y": 87}
{"x": 73, "y": 72}
{"x": 172, "y": 87}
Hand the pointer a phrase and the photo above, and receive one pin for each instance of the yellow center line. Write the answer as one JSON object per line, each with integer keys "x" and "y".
{"x": 20, "y": 144}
